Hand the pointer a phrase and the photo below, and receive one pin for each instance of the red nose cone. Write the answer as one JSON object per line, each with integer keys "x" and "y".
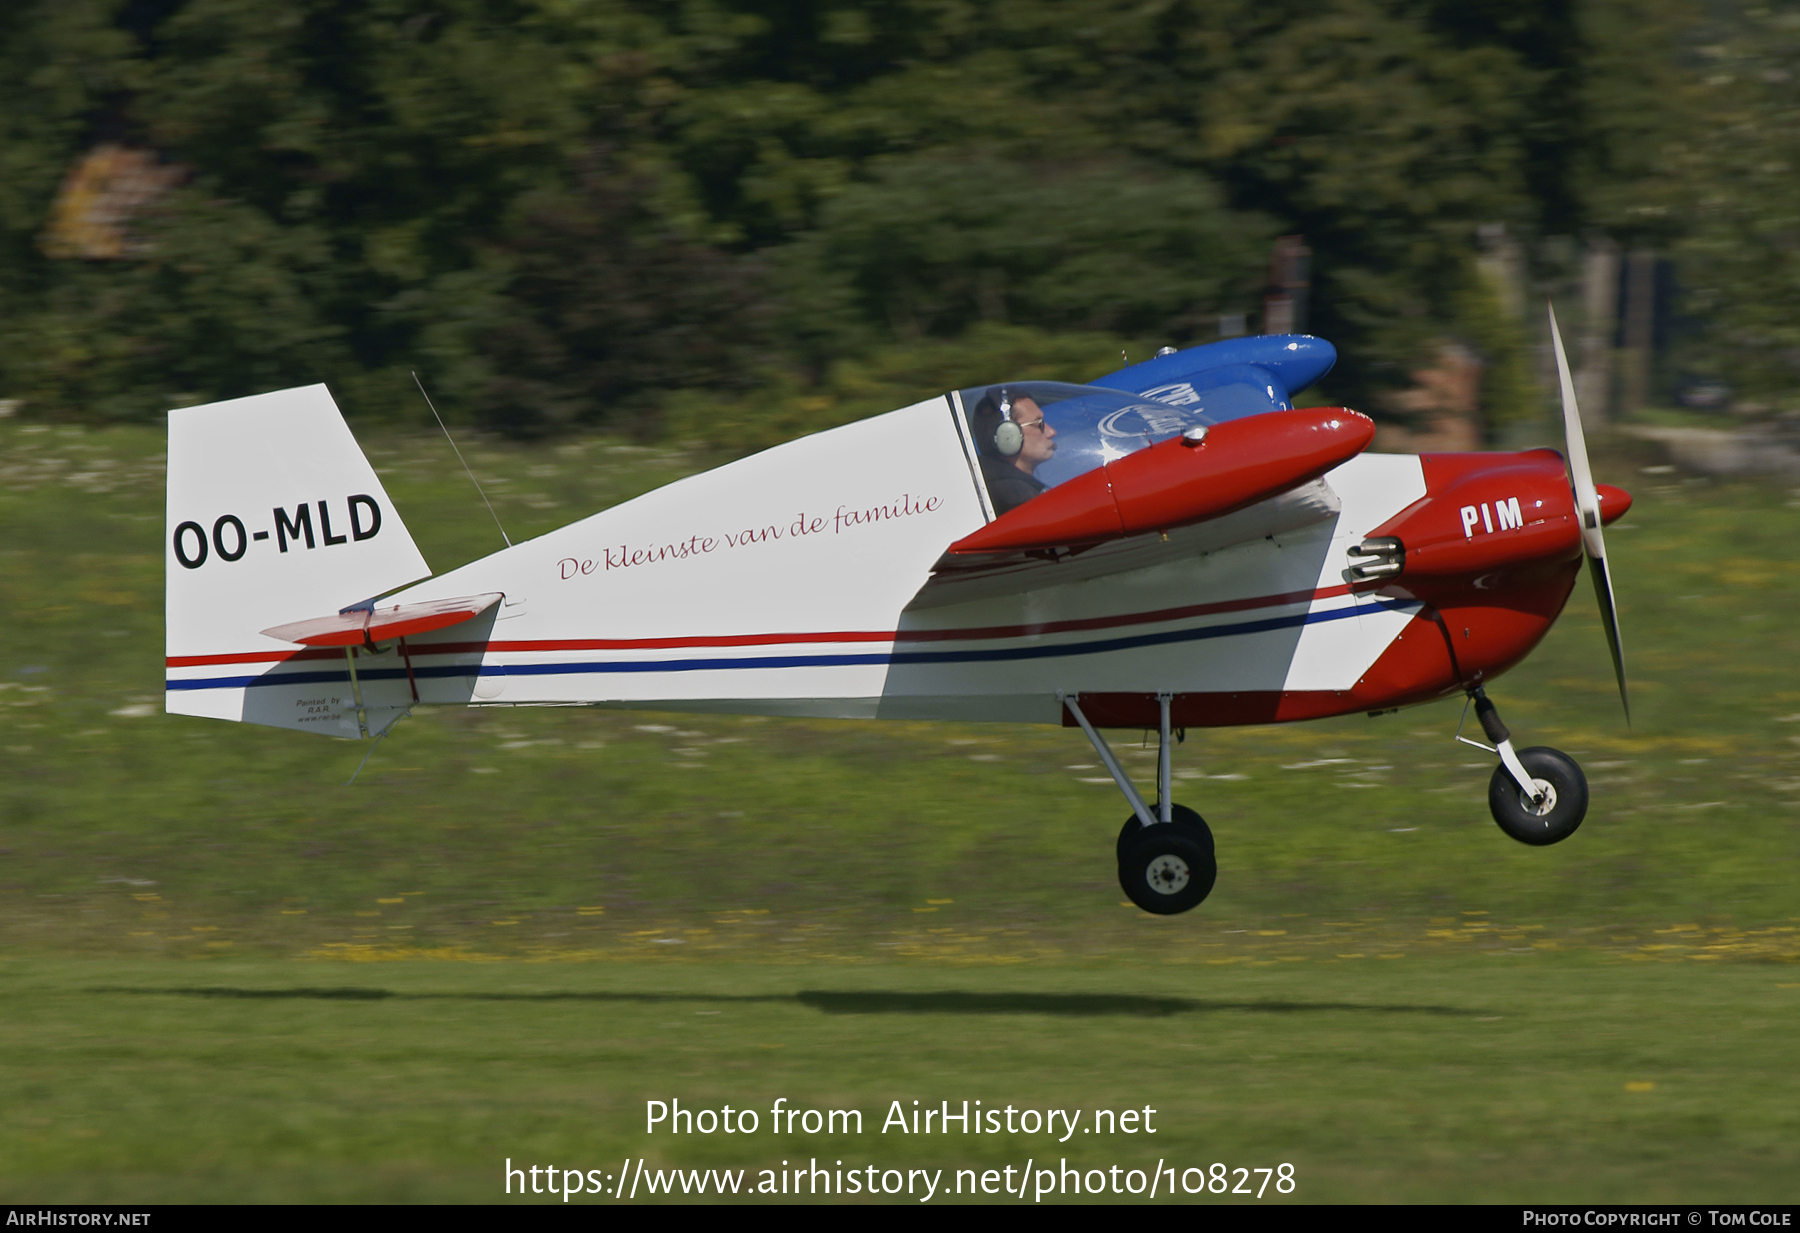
{"x": 1613, "y": 503}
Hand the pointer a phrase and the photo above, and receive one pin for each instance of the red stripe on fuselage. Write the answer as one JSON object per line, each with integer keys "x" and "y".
{"x": 733, "y": 640}
{"x": 253, "y": 657}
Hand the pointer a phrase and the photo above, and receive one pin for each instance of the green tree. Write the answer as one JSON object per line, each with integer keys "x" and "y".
{"x": 1731, "y": 179}
{"x": 561, "y": 211}
{"x": 929, "y": 244}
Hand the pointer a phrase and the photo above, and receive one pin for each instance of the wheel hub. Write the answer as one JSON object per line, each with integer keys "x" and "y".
{"x": 1547, "y": 791}
{"x": 1168, "y": 875}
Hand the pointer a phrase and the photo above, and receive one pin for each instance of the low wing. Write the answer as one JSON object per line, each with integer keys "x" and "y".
{"x": 965, "y": 577}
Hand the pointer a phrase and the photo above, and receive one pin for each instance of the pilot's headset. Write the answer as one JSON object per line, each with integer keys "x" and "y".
{"x": 1009, "y": 438}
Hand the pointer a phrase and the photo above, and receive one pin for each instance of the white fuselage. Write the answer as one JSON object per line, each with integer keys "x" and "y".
{"x": 800, "y": 581}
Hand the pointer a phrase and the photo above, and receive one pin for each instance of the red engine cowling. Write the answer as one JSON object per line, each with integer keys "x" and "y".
{"x": 1482, "y": 512}
{"x": 1493, "y": 549}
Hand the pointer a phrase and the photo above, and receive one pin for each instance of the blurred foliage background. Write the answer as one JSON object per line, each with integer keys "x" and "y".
{"x": 751, "y": 219}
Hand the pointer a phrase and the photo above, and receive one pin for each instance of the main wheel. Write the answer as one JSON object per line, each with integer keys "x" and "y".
{"x": 1179, "y": 815}
{"x": 1169, "y": 869}
{"x": 1555, "y": 818}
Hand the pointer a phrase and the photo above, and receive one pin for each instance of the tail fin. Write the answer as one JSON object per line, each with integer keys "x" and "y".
{"x": 274, "y": 515}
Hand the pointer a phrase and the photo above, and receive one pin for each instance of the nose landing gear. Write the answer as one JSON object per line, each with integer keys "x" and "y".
{"x": 1539, "y": 795}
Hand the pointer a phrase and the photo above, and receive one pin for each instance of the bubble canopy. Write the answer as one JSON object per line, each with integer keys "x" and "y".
{"x": 1085, "y": 426}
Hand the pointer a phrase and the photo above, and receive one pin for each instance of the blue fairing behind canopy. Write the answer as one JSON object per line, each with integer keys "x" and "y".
{"x": 1232, "y": 378}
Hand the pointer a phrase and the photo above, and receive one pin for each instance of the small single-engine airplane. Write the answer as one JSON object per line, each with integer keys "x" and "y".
{"x": 1172, "y": 546}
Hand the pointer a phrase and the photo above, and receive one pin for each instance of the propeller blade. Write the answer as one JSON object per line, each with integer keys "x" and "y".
{"x": 1587, "y": 506}
{"x": 1609, "y": 621}
{"x": 1581, "y": 476}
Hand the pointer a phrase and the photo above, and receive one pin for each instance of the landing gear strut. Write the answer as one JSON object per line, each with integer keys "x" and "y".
{"x": 1538, "y": 795}
{"x": 1165, "y": 853}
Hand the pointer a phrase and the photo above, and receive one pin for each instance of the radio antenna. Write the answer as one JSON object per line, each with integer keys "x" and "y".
{"x": 465, "y": 466}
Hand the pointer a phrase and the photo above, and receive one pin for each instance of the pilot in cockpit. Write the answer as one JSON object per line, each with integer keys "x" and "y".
{"x": 1013, "y": 441}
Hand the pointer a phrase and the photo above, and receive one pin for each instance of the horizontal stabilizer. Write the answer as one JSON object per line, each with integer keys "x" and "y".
{"x": 357, "y": 626}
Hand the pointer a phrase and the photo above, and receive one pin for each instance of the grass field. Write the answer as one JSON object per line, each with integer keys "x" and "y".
{"x": 223, "y": 975}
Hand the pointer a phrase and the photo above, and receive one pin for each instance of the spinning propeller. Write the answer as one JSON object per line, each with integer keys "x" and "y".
{"x": 1587, "y": 505}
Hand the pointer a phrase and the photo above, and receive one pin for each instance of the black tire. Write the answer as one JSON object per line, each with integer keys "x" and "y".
{"x": 1179, "y": 815}
{"x": 1563, "y": 812}
{"x": 1168, "y": 870}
